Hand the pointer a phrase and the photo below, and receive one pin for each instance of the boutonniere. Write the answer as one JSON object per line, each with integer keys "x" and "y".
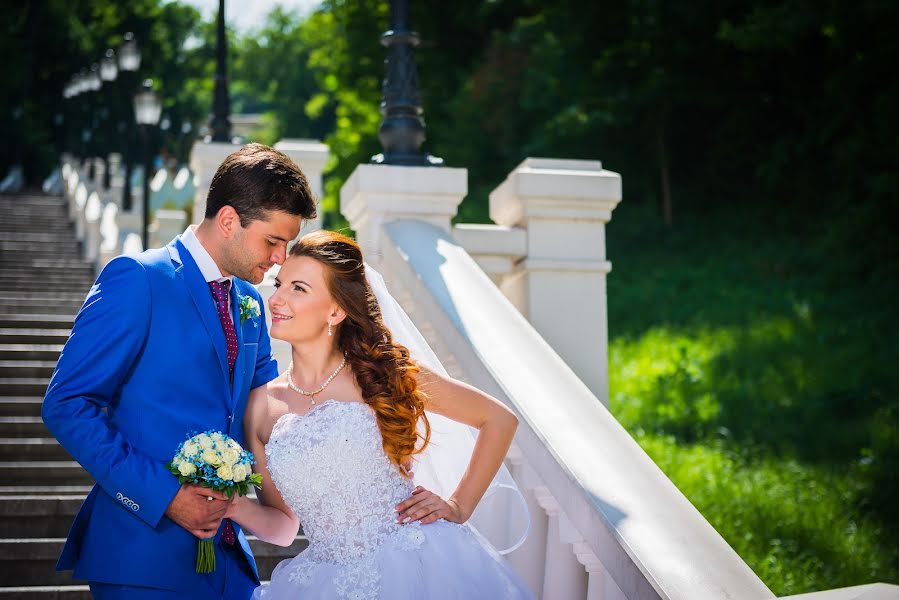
{"x": 249, "y": 309}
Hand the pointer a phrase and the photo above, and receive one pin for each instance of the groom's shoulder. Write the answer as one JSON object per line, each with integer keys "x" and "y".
{"x": 144, "y": 265}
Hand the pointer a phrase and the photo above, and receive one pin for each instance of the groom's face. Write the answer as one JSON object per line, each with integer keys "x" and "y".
{"x": 254, "y": 249}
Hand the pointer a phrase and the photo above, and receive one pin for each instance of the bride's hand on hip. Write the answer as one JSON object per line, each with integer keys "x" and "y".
{"x": 426, "y": 506}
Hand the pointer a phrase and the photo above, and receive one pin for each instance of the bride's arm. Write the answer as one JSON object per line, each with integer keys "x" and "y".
{"x": 271, "y": 520}
{"x": 496, "y": 427}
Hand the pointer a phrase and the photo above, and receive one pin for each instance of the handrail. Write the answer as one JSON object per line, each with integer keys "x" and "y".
{"x": 647, "y": 535}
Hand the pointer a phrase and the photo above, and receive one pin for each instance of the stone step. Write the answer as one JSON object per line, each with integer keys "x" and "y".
{"x": 37, "y": 448}
{"x": 48, "y": 280}
{"x": 65, "y": 247}
{"x": 46, "y": 592}
{"x": 29, "y": 307}
{"x": 30, "y": 352}
{"x": 27, "y": 368}
{"x": 26, "y": 562}
{"x": 57, "y": 262}
{"x": 47, "y": 295}
{"x": 44, "y": 472}
{"x": 52, "y": 238}
{"x": 36, "y": 321}
{"x": 45, "y": 490}
{"x": 23, "y": 386}
{"x": 33, "y": 224}
{"x": 15, "y": 335}
{"x": 45, "y": 274}
{"x": 20, "y": 406}
{"x": 59, "y": 226}
{"x": 35, "y": 516}
{"x": 45, "y": 210}
{"x": 27, "y": 272}
{"x": 23, "y": 427}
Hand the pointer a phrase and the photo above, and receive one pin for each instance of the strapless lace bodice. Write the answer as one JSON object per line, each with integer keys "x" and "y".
{"x": 330, "y": 467}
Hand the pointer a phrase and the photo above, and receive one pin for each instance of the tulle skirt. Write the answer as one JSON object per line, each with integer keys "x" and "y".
{"x": 438, "y": 561}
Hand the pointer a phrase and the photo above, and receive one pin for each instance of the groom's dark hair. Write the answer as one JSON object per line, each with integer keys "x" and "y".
{"x": 258, "y": 179}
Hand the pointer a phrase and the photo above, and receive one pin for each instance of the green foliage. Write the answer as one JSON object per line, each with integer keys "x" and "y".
{"x": 57, "y": 39}
{"x": 757, "y": 367}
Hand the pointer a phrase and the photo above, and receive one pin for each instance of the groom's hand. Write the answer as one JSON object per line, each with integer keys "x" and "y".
{"x": 192, "y": 509}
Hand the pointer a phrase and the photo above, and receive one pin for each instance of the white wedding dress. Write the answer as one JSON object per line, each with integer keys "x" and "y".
{"x": 331, "y": 469}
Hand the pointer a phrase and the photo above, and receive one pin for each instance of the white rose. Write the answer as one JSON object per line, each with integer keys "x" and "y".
{"x": 241, "y": 471}
{"x": 234, "y": 446}
{"x": 187, "y": 468}
{"x": 190, "y": 449}
{"x": 224, "y": 472}
{"x": 211, "y": 457}
{"x": 204, "y": 440}
{"x": 229, "y": 456}
{"x": 217, "y": 436}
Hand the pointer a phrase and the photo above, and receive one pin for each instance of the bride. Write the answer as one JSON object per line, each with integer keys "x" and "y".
{"x": 333, "y": 435}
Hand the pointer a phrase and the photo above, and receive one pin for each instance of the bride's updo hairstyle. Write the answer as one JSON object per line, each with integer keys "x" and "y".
{"x": 383, "y": 369}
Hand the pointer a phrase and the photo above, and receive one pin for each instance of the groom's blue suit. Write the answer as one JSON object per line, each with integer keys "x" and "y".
{"x": 145, "y": 366}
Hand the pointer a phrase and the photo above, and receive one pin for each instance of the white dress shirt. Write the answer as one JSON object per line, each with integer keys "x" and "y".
{"x": 208, "y": 268}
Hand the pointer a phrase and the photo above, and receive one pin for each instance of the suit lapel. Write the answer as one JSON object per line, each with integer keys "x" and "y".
{"x": 237, "y": 383}
{"x": 204, "y": 303}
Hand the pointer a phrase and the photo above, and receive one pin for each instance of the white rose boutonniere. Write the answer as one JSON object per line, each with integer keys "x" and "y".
{"x": 249, "y": 309}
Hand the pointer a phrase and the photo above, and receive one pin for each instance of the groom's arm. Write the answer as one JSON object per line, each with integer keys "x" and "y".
{"x": 107, "y": 338}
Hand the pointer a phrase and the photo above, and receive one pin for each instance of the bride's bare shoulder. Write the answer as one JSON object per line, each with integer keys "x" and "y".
{"x": 265, "y": 406}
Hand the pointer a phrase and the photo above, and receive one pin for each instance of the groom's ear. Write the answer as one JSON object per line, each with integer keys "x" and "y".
{"x": 227, "y": 221}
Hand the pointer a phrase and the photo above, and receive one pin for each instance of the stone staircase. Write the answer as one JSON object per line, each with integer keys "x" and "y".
{"x": 43, "y": 282}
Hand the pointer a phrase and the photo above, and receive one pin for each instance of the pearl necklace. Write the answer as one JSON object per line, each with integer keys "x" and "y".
{"x": 311, "y": 395}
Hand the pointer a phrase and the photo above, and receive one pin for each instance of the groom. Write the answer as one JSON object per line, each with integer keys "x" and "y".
{"x": 164, "y": 346}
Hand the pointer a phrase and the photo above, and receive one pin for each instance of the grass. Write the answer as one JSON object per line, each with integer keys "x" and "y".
{"x": 753, "y": 355}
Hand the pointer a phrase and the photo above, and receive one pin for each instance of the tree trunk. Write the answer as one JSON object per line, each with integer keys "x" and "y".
{"x": 667, "y": 213}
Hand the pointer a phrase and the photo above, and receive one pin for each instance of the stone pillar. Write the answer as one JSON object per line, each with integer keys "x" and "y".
{"x": 205, "y": 158}
{"x": 311, "y": 156}
{"x": 116, "y": 182}
{"x": 378, "y": 194}
{"x": 169, "y": 223}
{"x": 93, "y": 210}
{"x": 563, "y": 576}
{"x": 495, "y": 248}
{"x": 560, "y": 286}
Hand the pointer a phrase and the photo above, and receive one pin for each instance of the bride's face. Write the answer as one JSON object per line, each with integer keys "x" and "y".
{"x": 302, "y": 304}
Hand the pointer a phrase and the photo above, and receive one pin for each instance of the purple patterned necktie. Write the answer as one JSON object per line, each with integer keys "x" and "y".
{"x": 220, "y": 293}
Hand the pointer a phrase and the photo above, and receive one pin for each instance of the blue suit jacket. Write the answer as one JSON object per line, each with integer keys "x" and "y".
{"x": 145, "y": 366}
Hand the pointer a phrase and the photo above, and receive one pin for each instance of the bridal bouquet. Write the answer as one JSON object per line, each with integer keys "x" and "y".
{"x": 214, "y": 460}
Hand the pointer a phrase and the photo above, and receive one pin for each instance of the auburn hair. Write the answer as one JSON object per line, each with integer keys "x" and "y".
{"x": 383, "y": 369}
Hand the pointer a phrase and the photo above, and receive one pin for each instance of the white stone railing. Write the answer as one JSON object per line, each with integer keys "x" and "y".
{"x": 606, "y": 522}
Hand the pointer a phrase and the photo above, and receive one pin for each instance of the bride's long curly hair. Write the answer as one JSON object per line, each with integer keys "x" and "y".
{"x": 383, "y": 368}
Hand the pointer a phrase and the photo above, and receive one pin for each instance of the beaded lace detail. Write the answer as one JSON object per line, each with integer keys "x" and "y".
{"x": 331, "y": 469}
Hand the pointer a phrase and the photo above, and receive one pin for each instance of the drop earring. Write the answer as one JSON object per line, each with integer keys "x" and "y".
{"x": 329, "y": 328}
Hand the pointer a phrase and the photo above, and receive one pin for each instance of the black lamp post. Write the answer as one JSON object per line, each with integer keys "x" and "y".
{"x": 109, "y": 70}
{"x": 402, "y": 131}
{"x": 147, "y": 108}
{"x": 93, "y": 84}
{"x": 129, "y": 62}
{"x": 220, "y": 125}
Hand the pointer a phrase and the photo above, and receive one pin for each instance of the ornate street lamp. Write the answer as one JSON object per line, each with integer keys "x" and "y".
{"x": 92, "y": 83}
{"x": 109, "y": 70}
{"x": 220, "y": 125}
{"x": 129, "y": 54}
{"x": 147, "y": 108}
{"x": 402, "y": 131}
{"x": 129, "y": 62}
